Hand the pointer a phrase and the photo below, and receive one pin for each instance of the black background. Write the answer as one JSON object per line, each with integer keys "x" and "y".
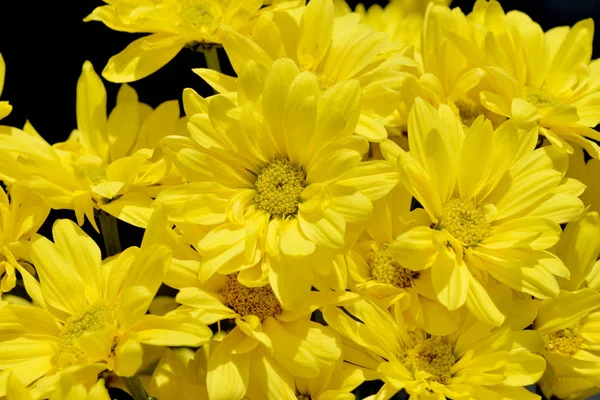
{"x": 44, "y": 44}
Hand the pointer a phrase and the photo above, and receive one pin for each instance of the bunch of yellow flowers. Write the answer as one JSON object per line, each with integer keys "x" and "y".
{"x": 406, "y": 195}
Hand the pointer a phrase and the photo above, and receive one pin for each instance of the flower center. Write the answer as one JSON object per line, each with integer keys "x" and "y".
{"x": 565, "y": 341}
{"x": 303, "y": 397}
{"x": 278, "y": 188}
{"x": 91, "y": 319}
{"x": 385, "y": 269}
{"x": 539, "y": 98}
{"x": 466, "y": 222}
{"x": 468, "y": 111}
{"x": 199, "y": 14}
{"x": 259, "y": 301}
{"x": 434, "y": 357}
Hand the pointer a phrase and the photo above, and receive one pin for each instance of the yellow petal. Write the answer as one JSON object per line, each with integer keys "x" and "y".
{"x": 128, "y": 357}
{"x": 291, "y": 282}
{"x": 450, "y": 279}
{"x": 316, "y": 26}
{"x": 15, "y": 390}
{"x": 481, "y": 305}
{"x": 143, "y": 57}
{"x": 134, "y": 208}
{"x": 123, "y": 123}
{"x": 475, "y": 159}
{"x": 227, "y": 370}
{"x": 91, "y": 112}
{"x": 566, "y": 310}
{"x": 414, "y": 249}
{"x": 172, "y": 331}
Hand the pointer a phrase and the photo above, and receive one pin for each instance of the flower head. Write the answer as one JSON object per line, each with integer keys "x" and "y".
{"x": 334, "y": 49}
{"x": 172, "y": 24}
{"x": 280, "y": 178}
{"x": 544, "y": 79}
{"x": 86, "y": 312}
{"x": 495, "y": 206}
{"x": 111, "y": 163}
{"x": 477, "y": 361}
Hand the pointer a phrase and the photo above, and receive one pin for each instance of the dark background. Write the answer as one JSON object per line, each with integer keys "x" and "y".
{"x": 44, "y": 44}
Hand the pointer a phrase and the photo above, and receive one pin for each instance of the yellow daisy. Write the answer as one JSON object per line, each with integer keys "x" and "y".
{"x": 173, "y": 24}
{"x": 263, "y": 346}
{"x": 379, "y": 277}
{"x": 570, "y": 323}
{"x": 87, "y": 312}
{"x": 75, "y": 383}
{"x": 545, "y": 79}
{"x": 20, "y": 218}
{"x": 5, "y": 108}
{"x": 334, "y": 49}
{"x": 113, "y": 164}
{"x": 495, "y": 204}
{"x": 279, "y": 181}
{"x": 587, "y": 172}
{"x": 476, "y": 362}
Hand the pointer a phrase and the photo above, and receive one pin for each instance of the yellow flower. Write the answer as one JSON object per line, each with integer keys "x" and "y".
{"x": 87, "y": 312}
{"x": 263, "y": 346}
{"x": 382, "y": 279}
{"x": 477, "y": 362}
{"x": 113, "y": 164}
{"x": 75, "y": 383}
{"x": 5, "y": 108}
{"x": 587, "y": 173}
{"x": 495, "y": 205}
{"x": 280, "y": 180}
{"x": 20, "y": 218}
{"x": 569, "y": 323}
{"x": 173, "y": 24}
{"x": 334, "y": 49}
{"x": 542, "y": 79}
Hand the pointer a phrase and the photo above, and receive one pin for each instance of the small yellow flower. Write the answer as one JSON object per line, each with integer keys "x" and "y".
{"x": 378, "y": 276}
{"x": 113, "y": 164}
{"x": 478, "y": 361}
{"x": 20, "y": 218}
{"x": 172, "y": 24}
{"x": 279, "y": 181}
{"x": 334, "y": 49}
{"x": 569, "y": 324}
{"x": 5, "y": 108}
{"x": 87, "y": 312}
{"x": 544, "y": 79}
{"x": 495, "y": 206}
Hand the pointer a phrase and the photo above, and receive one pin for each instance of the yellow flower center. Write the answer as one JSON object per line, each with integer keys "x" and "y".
{"x": 539, "y": 98}
{"x": 303, "y": 397}
{"x": 259, "y": 301}
{"x": 278, "y": 188}
{"x": 434, "y": 357}
{"x": 466, "y": 222}
{"x": 200, "y": 14}
{"x": 91, "y": 319}
{"x": 385, "y": 269}
{"x": 468, "y": 111}
{"x": 565, "y": 341}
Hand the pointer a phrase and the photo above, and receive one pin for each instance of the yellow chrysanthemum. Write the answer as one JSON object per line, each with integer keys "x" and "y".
{"x": 570, "y": 323}
{"x": 334, "y": 49}
{"x": 381, "y": 278}
{"x": 477, "y": 362}
{"x": 75, "y": 383}
{"x": 259, "y": 347}
{"x": 280, "y": 180}
{"x": 542, "y": 79}
{"x": 495, "y": 206}
{"x": 181, "y": 375}
{"x": 173, "y": 24}
{"x": 113, "y": 164}
{"x": 20, "y": 217}
{"x": 87, "y": 312}
{"x": 5, "y": 108}
{"x": 589, "y": 174}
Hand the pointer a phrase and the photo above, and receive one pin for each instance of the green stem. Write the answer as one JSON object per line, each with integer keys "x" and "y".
{"x": 211, "y": 56}
{"x": 110, "y": 233}
{"x": 135, "y": 388}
